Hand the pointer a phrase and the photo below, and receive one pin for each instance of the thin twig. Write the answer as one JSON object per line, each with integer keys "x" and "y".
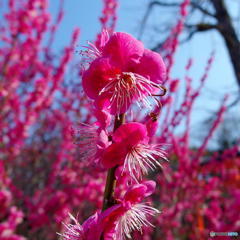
{"x": 110, "y": 186}
{"x": 109, "y": 200}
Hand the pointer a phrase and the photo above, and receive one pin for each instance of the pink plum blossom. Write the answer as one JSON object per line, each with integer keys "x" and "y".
{"x": 131, "y": 148}
{"x": 129, "y": 214}
{"x": 41, "y": 179}
{"x": 117, "y": 222}
{"x": 122, "y": 72}
{"x": 90, "y": 230}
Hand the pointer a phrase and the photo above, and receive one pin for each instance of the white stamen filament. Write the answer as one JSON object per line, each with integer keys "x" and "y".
{"x": 141, "y": 158}
{"x": 128, "y": 86}
{"x": 73, "y": 231}
{"x": 134, "y": 219}
{"x": 85, "y": 136}
{"x": 91, "y": 52}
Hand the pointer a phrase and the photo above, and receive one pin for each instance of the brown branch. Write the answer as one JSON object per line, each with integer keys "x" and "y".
{"x": 193, "y": 29}
{"x": 229, "y": 34}
{"x": 164, "y": 4}
{"x": 203, "y": 10}
{"x": 109, "y": 200}
{"x": 201, "y": 27}
{"x": 234, "y": 103}
{"x": 194, "y": 4}
{"x": 196, "y": 28}
{"x": 110, "y": 186}
{"x": 148, "y": 11}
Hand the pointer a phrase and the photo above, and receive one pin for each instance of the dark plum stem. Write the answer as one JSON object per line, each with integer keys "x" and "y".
{"x": 109, "y": 200}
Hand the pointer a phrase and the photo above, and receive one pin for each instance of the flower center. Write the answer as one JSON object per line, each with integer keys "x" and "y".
{"x": 126, "y": 88}
{"x": 128, "y": 80}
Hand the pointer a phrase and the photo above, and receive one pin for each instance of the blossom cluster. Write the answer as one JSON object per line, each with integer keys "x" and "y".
{"x": 117, "y": 222}
{"x": 44, "y": 176}
{"x": 119, "y": 73}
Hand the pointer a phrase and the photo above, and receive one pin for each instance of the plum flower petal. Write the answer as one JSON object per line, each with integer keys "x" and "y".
{"x": 93, "y": 227}
{"x": 123, "y": 49}
{"x": 151, "y": 66}
{"x": 98, "y": 76}
{"x": 103, "y": 38}
{"x": 114, "y": 155}
{"x": 131, "y": 133}
{"x": 138, "y": 192}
